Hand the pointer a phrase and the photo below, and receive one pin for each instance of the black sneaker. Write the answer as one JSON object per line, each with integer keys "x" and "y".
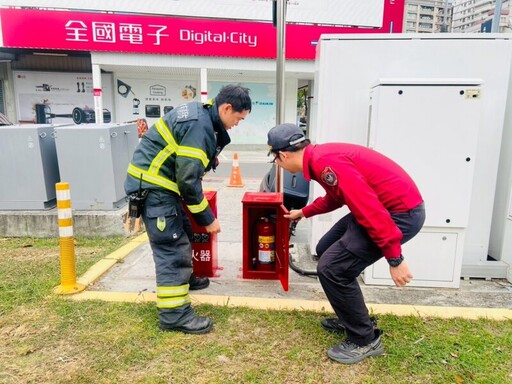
{"x": 196, "y": 326}
{"x": 350, "y": 353}
{"x": 334, "y": 324}
{"x": 197, "y": 283}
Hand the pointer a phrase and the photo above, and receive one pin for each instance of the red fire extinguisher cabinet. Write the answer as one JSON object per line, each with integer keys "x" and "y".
{"x": 204, "y": 245}
{"x": 258, "y": 205}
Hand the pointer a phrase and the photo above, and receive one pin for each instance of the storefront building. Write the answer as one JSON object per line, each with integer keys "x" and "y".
{"x": 62, "y": 65}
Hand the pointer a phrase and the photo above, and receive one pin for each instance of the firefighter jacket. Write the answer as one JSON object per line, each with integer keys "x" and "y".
{"x": 370, "y": 184}
{"x": 176, "y": 152}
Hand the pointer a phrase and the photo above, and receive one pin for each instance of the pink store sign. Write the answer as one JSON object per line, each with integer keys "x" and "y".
{"x": 84, "y": 31}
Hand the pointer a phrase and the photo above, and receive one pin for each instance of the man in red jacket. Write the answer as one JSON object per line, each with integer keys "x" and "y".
{"x": 386, "y": 210}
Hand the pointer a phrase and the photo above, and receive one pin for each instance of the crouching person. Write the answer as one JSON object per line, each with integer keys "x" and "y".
{"x": 386, "y": 210}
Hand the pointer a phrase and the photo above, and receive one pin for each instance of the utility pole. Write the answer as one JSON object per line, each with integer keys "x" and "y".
{"x": 280, "y": 24}
{"x": 281, "y": 58}
{"x": 497, "y": 15}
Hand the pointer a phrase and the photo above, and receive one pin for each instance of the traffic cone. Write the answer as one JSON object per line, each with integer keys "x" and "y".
{"x": 236, "y": 178}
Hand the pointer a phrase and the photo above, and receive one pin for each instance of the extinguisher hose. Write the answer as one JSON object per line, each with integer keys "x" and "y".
{"x": 301, "y": 271}
{"x": 295, "y": 268}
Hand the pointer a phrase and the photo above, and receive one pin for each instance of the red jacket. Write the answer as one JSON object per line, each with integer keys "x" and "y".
{"x": 370, "y": 184}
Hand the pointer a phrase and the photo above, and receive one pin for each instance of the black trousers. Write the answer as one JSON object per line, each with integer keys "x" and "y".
{"x": 345, "y": 251}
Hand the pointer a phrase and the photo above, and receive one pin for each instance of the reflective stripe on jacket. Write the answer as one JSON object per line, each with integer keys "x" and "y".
{"x": 175, "y": 153}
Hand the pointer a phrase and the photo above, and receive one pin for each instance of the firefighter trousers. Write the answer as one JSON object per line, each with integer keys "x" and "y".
{"x": 168, "y": 230}
{"x": 345, "y": 251}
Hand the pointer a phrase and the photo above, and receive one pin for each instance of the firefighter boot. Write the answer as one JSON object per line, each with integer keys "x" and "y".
{"x": 196, "y": 326}
{"x": 197, "y": 283}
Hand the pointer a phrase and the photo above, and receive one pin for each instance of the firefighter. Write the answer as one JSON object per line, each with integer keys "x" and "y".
{"x": 386, "y": 210}
{"x": 166, "y": 168}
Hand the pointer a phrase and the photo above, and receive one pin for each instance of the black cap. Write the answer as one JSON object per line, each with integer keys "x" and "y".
{"x": 284, "y": 136}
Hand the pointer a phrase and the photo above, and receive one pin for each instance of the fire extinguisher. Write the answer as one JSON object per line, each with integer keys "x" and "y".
{"x": 264, "y": 257}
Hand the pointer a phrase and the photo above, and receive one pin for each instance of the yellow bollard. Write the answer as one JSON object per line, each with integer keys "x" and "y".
{"x": 68, "y": 284}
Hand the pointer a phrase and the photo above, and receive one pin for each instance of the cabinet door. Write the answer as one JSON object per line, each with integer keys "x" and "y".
{"x": 433, "y": 258}
{"x": 283, "y": 247}
{"x": 431, "y": 131}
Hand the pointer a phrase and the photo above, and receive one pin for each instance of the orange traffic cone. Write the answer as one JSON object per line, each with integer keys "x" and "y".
{"x": 236, "y": 178}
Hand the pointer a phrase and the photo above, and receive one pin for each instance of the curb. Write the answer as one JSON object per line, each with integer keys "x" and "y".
{"x": 102, "y": 266}
{"x": 304, "y": 305}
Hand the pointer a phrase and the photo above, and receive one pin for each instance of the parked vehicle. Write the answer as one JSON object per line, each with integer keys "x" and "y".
{"x": 295, "y": 187}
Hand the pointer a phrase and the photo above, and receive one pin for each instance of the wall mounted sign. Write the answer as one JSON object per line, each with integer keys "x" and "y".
{"x": 107, "y": 32}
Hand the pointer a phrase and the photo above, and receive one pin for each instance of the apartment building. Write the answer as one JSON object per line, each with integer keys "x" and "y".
{"x": 475, "y": 16}
{"x": 469, "y": 15}
{"x": 427, "y": 16}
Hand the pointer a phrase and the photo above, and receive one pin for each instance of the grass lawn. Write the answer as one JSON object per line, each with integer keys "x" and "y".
{"x": 48, "y": 339}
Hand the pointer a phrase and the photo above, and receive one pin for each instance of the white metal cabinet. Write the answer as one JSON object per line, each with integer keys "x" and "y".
{"x": 430, "y": 127}
{"x": 28, "y": 165}
{"x": 500, "y": 247}
{"x": 93, "y": 159}
{"x": 347, "y": 68}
